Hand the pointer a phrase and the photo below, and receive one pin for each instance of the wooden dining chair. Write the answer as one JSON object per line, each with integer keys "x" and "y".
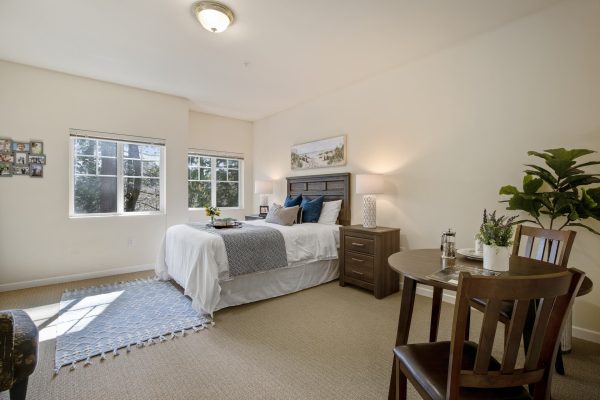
{"x": 543, "y": 245}
{"x": 461, "y": 369}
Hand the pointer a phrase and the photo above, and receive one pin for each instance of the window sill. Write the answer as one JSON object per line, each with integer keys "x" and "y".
{"x": 133, "y": 214}
{"x": 220, "y": 208}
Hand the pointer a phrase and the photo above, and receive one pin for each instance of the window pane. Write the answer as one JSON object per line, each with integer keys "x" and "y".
{"x": 85, "y": 147}
{"x": 227, "y": 194}
{"x": 221, "y": 163}
{"x": 232, "y": 175}
{"x": 107, "y": 149}
{"x": 131, "y": 150}
{"x": 107, "y": 166}
{"x": 150, "y": 153}
{"x": 132, "y": 167}
{"x": 192, "y": 160}
{"x": 232, "y": 164}
{"x": 151, "y": 168}
{"x": 198, "y": 194}
{"x": 95, "y": 194}
{"x": 85, "y": 165}
{"x": 192, "y": 173}
{"x": 141, "y": 194}
{"x": 205, "y": 174}
{"x": 205, "y": 161}
{"x": 221, "y": 174}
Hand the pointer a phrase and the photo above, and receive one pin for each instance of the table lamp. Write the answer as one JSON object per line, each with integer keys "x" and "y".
{"x": 264, "y": 189}
{"x": 369, "y": 185}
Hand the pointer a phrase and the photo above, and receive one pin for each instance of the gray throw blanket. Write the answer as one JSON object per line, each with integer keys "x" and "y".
{"x": 251, "y": 248}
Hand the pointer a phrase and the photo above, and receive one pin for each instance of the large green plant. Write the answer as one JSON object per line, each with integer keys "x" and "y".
{"x": 564, "y": 192}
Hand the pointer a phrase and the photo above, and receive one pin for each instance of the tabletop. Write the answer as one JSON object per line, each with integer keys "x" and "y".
{"x": 418, "y": 264}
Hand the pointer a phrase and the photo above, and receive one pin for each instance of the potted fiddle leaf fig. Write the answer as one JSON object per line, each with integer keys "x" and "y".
{"x": 561, "y": 194}
{"x": 496, "y": 234}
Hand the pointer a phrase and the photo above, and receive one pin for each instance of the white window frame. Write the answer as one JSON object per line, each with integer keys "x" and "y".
{"x": 213, "y": 179}
{"x": 120, "y": 179}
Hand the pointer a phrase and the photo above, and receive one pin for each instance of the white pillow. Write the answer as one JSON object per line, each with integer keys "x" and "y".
{"x": 330, "y": 212}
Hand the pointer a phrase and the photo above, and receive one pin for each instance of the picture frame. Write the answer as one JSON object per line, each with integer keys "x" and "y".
{"x": 36, "y": 159}
{"x": 37, "y": 147}
{"x": 5, "y": 170}
{"x": 20, "y": 158}
{"x": 21, "y": 147}
{"x": 323, "y": 153}
{"x": 5, "y": 145}
{"x": 263, "y": 211}
{"x": 20, "y": 170}
{"x": 36, "y": 170}
{"x": 7, "y": 158}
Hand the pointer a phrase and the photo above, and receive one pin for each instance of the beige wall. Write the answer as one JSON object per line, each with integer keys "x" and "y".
{"x": 211, "y": 132}
{"x": 37, "y": 238}
{"x": 449, "y": 130}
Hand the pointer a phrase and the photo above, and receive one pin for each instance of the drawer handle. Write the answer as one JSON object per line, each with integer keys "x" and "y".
{"x": 357, "y": 273}
{"x": 358, "y": 244}
{"x": 357, "y": 259}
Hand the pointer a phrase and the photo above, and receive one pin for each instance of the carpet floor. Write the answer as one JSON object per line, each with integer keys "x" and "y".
{"x": 327, "y": 342}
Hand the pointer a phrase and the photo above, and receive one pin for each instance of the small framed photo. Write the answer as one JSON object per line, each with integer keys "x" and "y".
{"x": 7, "y": 158}
{"x": 5, "y": 170}
{"x": 21, "y": 146}
{"x": 18, "y": 170}
{"x": 263, "y": 211}
{"x": 21, "y": 158}
{"x": 33, "y": 159}
{"x": 36, "y": 170}
{"x": 37, "y": 147}
{"x": 5, "y": 145}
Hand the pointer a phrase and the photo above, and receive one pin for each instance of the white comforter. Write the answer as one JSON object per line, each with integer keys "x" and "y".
{"x": 197, "y": 260}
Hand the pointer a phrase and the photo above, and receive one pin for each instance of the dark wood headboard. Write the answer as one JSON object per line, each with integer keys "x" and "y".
{"x": 332, "y": 186}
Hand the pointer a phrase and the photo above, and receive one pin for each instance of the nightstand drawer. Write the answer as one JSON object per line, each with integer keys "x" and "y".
{"x": 359, "y": 266}
{"x": 359, "y": 244}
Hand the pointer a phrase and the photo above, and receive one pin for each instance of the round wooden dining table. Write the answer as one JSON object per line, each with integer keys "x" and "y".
{"x": 416, "y": 265}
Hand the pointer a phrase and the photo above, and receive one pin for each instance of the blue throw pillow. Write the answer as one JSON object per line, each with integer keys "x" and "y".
{"x": 311, "y": 209}
{"x": 293, "y": 201}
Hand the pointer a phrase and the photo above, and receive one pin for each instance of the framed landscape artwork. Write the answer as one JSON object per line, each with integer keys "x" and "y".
{"x": 330, "y": 152}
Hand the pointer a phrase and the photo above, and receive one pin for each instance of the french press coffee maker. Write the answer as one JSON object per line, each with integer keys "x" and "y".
{"x": 448, "y": 245}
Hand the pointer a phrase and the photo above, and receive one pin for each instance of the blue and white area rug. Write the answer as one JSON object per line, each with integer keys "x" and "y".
{"x": 102, "y": 320}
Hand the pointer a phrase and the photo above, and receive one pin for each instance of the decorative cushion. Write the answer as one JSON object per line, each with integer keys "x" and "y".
{"x": 293, "y": 201}
{"x": 311, "y": 209}
{"x": 330, "y": 212}
{"x": 282, "y": 215}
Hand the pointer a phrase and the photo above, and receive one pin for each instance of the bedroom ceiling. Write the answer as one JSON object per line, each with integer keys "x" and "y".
{"x": 277, "y": 54}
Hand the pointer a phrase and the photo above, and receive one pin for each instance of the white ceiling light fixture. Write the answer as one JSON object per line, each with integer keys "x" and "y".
{"x": 214, "y": 17}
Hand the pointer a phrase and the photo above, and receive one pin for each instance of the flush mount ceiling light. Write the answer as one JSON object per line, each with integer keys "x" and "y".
{"x": 214, "y": 17}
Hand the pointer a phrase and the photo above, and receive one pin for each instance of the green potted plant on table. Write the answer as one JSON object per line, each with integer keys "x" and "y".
{"x": 561, "y": 195}
{"x": 496, "y": 234}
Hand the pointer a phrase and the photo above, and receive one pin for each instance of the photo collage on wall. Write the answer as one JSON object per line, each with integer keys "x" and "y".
{"x": 22, "y": 158}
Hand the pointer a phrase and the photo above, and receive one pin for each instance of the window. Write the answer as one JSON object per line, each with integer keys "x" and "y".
{"x": 214, "y": 181}
{"x": 115, "y": 177}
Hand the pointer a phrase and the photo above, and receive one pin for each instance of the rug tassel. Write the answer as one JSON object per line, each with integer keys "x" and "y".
{"x": 162, "y": 338}
{"x": 115, "y": 352}
{"x": 172, "y": 335}
{"x": 182, "y": 333}
{"x": 102, "y": 356}
{"x": 56, "y": 371}
{"x": 73, "y": 366}
{"x": 140, "y": 344}
{"x": 87, "y": 362}
{"x": 197, "y": 328}
{"x": 129, "y": 348}
{"x": 150, "y": 342}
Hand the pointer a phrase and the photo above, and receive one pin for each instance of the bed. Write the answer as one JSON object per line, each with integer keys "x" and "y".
{"x": 198, "y": 262}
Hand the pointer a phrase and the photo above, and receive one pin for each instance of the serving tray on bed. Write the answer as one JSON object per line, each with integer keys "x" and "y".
{"x": 236, "y": 225}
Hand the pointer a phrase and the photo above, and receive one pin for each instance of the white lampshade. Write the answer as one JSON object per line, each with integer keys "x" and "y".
{"x": 369, "y": 184}
{"x": 214, "y": 17}
{"x": 263, "y": 187}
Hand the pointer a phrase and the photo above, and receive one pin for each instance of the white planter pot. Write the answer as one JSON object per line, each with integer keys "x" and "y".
{"x": 495, "y": 257}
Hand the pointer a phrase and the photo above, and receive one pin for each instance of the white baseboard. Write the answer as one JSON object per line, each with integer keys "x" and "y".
{"x": 449, "y": 297}
{"x": 5, "y": 287}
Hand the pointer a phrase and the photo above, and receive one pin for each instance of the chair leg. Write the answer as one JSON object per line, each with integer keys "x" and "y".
{"x": 558, "y": 365}
{"x": 400, "y": 383}
{"x": 468, "y": 328}
{"x": 19, "y": 390}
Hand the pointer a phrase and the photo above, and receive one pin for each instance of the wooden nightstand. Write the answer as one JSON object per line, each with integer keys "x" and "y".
{"x": 253, "y": 217}
{"x": 363, "y": 258}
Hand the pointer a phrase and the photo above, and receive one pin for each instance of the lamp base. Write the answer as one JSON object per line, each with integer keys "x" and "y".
{"x": 369, "y": 211}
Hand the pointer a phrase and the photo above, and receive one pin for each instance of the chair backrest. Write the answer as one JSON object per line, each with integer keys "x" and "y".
{"x": 554, "y": 294}
{"x": 552, "y": 246}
